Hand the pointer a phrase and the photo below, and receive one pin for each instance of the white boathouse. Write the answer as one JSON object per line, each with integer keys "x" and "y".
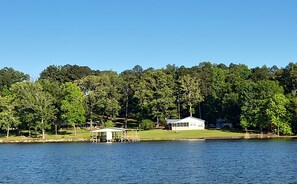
{"x": 113, "y": 134}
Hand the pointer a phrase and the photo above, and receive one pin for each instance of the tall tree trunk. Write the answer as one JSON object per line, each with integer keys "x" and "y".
{"x": 126, "y": 115}
{"x": 158, "y": 123}
{"x": 190, "y": 104}
{"x": 191, "y": 113}
{"x": 43, "y": 130}
{"x": 91, "y": 115}
{"x": 91, "y": 124}
{"x": 277, "y": 129}
{"x": 7, "y": 133}
{"x": 74, "y": 129}
{"x": 43, "y": 134}
{"x": 56, "y": 129}
{"x": 178, "y": 105}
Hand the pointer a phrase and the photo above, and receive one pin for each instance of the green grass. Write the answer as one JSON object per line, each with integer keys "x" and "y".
{"x": 69, "y": 134}
{"x": 62, "y": 135}
{"x": 186, "y": 134}
{"x": 156, "y": 134}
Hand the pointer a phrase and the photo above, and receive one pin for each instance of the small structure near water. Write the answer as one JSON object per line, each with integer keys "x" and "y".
{"x": 220, "y": 123}
{"x": 110, "y": 135}
{"x": 189, "y": 123}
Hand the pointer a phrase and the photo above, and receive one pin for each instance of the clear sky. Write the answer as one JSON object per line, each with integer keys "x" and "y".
{"x": 119, "y": 34}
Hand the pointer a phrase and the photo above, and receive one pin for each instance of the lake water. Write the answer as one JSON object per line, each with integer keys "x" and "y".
{"x": 240, "y": 161}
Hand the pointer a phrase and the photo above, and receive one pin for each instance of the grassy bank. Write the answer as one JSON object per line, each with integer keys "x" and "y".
{"x": 64, "y": 135}
{"x": 188, "y": 134}
{"x": 149, "y": 135}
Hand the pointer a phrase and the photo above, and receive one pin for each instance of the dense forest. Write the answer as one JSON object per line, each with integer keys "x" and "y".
{"x": 262, "y": 98}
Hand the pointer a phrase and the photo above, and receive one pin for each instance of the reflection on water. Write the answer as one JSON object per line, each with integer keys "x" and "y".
{"x": 253, "y": 161}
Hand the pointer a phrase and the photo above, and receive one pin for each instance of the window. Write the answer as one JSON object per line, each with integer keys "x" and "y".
{"x": 182, "y": 124}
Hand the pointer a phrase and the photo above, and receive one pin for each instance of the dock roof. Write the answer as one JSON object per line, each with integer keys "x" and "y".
{"x": 110, "y": 130}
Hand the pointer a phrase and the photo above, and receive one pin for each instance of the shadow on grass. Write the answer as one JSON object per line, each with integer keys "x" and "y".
{"x": 60, "y": 132}
{"x": 21, "y": 134}
{"x": 243, "y": 131}
{"x": 230, "y": 130}
{"x": 132, "y": 123}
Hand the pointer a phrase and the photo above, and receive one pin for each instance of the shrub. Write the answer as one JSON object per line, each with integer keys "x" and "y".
{"x": 147, "y": 124}
{"x": 163, "y": 121}
{"x": 108, "y": 124}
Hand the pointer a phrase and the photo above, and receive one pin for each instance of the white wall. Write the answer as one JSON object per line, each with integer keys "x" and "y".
{"x": 194, "y": 124}
{"x": 108, "y": 136}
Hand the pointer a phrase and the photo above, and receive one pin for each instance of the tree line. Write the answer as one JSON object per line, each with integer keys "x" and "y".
{"x": 262, "y": 98}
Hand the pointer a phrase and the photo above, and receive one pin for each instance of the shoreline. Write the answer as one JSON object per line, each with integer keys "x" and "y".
{"x": 44, "y": 141}
{"x": 77, "y": 140}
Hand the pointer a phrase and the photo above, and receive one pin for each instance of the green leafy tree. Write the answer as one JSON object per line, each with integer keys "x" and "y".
{"x": 88, "y": 85}
{"x": 146, "y": 124}
{"x": 137, "y": 69}
{"x": 215, "y": 99}
{"x": 129, "y": 80}
{"x": 72, "y": 105}
{"x": 101, "y": 94}
{"x": 66, "y": 73}
{"x": 231, "y": 108}
{"x": 205, "y": 72}
{"x": 108, "y": 124}
{"x": 44, "y": 110}
{"x": 107, "y": 94}
{"x": 155, "y": 94}
{"x": 190, "y": 91}
{"x": 262, "y": 73}
{"x": 278, "y": 115}
{"x": 54, "y": 90}
{"x": 8, "y": 116}
{"x": 9, "y": 76}
{"x": 288, "y": 78}
{"x": 173, "y": 72}
{"x": 35, "y": 104}
{"x": 255, "y": 99}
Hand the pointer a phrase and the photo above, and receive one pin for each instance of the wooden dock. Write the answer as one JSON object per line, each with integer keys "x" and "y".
{"x": 110, "y": 135}
{"x": 128, "y": 139}
{"x": 117, "y": 139}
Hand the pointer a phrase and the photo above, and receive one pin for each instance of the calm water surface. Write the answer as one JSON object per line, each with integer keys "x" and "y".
{"x": 253, "y": 161}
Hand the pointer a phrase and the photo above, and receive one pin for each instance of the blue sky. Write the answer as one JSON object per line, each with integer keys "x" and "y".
{"x": 119, "y": 34}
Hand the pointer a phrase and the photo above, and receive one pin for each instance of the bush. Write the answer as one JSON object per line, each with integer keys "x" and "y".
{"x": 147, "y": 124}
{"x": 108, "y": 124}
{"x": 163, "y": 121}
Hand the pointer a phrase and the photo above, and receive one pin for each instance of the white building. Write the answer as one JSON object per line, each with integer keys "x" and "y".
{"x": 189, "y": 123}
{"x": 110, "y": 133}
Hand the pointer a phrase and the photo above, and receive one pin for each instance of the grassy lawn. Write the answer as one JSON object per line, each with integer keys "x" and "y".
{"x": 156, "y": 134}
{"x": 62, "y": 135}
{"x": 81, "y": 134}
{"x": 186, "y": 134}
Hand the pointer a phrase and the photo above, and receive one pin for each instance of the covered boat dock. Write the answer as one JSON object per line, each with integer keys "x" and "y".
{"x": 110, "y": 135}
